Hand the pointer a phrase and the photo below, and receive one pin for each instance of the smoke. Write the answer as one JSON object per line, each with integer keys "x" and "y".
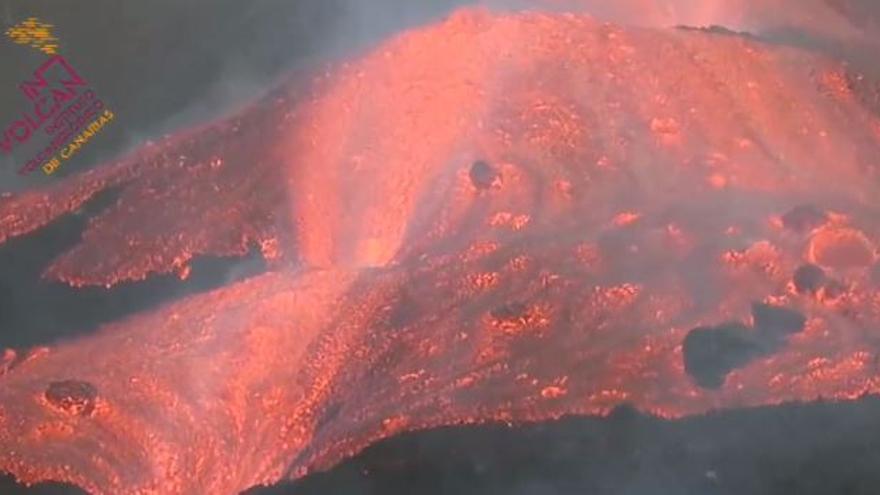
{"x": 840, "y": 20}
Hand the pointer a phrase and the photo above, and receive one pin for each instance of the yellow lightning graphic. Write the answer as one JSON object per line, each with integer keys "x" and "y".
{"x": 34, "y": 33}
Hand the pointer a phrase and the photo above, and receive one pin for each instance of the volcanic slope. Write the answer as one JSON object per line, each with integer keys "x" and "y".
{"x": 500, "y": 217}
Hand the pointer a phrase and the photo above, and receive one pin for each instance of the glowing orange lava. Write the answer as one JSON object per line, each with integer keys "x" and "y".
{"x": 634, "y": 184}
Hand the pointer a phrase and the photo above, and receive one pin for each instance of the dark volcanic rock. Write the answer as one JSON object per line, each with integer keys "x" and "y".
{"x": 512, "y": 311}
{"x": 808, "y": 278}
{"x": 710, "y": 353}
{"x": 804, "y": 218}
{"x": 483, "y": 175}
{"x": 716, "y": 29}
{"x": 776, "y": 321}
{"x": 804, "y": 449}
{"x": 72, "y": 396}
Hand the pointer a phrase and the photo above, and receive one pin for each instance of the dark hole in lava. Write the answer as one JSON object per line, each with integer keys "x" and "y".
{"x": 804, "y": 218}
{"x": 483, "y": 175}
{"x": 72, "y": 396}
{"x": 775, "y": 321}
{"x": 710, "y": 353}
{"x": 510, "y": 312}
{"x": 808, "y": 278}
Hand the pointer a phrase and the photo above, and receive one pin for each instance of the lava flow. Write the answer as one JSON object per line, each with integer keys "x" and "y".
{"x": 500, "y": 217}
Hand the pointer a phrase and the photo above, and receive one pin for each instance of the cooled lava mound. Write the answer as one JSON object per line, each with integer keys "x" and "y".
{"x": 501, "y": 217}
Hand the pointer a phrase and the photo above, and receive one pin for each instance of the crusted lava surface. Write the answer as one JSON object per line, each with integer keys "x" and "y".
{"x": 501, "y": 217}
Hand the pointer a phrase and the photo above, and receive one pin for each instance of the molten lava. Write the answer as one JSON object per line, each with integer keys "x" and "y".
{"x": 501, "y": 217}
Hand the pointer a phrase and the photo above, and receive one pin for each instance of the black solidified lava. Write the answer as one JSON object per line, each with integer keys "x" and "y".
{"x": 482, "y": 175}
{"x": 34, "y": 311}
{"x": 8, "y": 486}
{"x": 804, "y": 218}
{"x": 510, "y": 312}
{"x": 715, "y": 29}
{"x": 72, "y": 396}
{"x": 710, "y": 353}
{"x": 793, "y": 449}
{"x": 775, "y": 321}
{"x": 808, "y": 278}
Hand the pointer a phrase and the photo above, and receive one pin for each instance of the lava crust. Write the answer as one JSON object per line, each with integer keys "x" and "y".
{"x": 639, "y": 179}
